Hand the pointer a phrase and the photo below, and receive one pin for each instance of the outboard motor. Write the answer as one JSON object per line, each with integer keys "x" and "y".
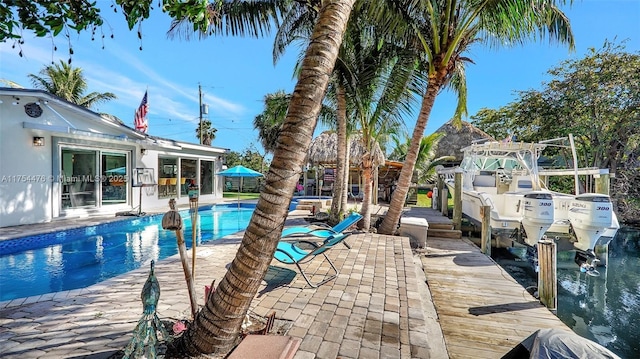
{"x": 590, "y": 214}
{"x": 537, "y": 216}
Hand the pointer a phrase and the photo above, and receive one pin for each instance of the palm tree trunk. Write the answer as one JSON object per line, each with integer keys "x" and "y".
{"x": 347, "y": 169}
{"x": 365, "y": 210}
{"x": 399, "y": 196}
{"x": 216, "y": 327}
{"x": 337, "y": 209}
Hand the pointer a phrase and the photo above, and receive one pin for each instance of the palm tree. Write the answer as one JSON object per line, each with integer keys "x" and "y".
{"x": 296, "y": 26}
{"x": 209, "y": 133}
{"x": 343, "y": 129}
{"x": 378, "y": 77}
{"x": 68, "y": 83}
{"x": 425, "y": 163}
{"x": 217, "y": 325}
{"x": 446, "y": 29}
{"x": 361, "y": 90}
{"x": 269, "y": 122}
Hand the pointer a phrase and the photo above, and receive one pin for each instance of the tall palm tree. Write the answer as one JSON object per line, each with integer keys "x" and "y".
{"x": 208, "y": 133}
{"x": 446, "y": 29}
{"x": 344, "y": 128}
{"x": 296, "y": 27}
{"x": 216, "y": 326}
{"x": 68, "y": 83}
{"x": 380, "y": 88}
{"x": 359, "y": 81}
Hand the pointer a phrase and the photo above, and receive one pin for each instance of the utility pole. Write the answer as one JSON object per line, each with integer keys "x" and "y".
{"x": 200, "y": 106}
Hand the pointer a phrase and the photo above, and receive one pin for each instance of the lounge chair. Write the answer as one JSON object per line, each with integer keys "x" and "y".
{"x": 292, "y": 253}
{"x": 323, "y": 230}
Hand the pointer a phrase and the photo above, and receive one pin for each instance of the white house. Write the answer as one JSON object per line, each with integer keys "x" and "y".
{"x": 58, "y": 159}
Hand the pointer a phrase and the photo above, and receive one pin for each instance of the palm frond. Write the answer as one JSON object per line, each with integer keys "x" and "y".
{"x": 232, "y": 18}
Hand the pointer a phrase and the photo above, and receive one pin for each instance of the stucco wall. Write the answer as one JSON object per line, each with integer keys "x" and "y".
{"x": 25, "y": 170}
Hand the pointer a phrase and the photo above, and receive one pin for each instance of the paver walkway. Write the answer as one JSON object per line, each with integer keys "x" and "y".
{"x": 378, "y": 307}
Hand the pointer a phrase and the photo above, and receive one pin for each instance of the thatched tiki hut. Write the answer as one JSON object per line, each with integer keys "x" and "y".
{"x": 455, "y": 139}
{"x": 322, "y": 156}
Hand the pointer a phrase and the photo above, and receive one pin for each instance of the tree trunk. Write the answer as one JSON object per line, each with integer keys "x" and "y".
{"x": 347, "y": 168}
{"x": 365, "y": 210}
{"x": 399, "y": 196}
{"x": 337, "y": 209}
{"x": 216, "y": 327}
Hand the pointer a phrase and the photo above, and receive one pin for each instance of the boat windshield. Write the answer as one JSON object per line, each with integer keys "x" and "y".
{"x": 504, "y": 160}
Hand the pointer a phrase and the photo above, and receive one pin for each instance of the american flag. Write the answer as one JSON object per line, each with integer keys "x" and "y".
{"x": 140, "y": 118}
{"x": 328, "y": 175}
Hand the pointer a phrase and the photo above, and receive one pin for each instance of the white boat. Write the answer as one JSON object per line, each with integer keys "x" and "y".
{"x": 505, "y": 176}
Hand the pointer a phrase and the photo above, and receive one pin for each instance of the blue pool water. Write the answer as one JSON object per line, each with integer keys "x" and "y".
{"x": 78, "y": 258}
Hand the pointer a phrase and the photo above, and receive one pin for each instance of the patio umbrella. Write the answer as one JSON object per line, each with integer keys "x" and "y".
{"x": 239, "y": 172}
{"x": 117, "y": 171}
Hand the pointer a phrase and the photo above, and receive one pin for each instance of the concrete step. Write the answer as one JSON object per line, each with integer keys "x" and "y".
{"x": 444, "y": 233}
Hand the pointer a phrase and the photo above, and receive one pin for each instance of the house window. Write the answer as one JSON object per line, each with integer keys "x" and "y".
{"x": 188, "y": 175}
{"x": 167, "y": 177}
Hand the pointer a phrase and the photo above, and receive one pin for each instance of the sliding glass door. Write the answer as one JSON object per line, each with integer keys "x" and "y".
{"x": 206, "y": 177}
{"x": 92, "y": 178}
{"x": 114, "y": 178}
{"x": 79, "y": 169}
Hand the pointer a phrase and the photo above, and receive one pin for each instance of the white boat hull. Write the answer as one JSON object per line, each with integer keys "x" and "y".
{"x": 505, "y": 177}
{"x": 531, "y": 212}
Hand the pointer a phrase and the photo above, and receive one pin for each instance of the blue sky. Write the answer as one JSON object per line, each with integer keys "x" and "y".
{"x": 236, "y": 73}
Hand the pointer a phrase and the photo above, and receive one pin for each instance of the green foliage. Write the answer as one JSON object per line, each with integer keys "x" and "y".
{"x": 563, "y": 184}
{"x": 426, "y": 161}
{"x": 269, "y": 122}
{"x": 233, "y": 159}
{"x": 249, "y": 158}
{"x": 242, "y": 196}
{"x": 596, "y": 98}
{"x": 68, "y": 83}
{"x": 53, "y": 17}
{"x": 209, "y": 133}
{"x": 45, "y": 17}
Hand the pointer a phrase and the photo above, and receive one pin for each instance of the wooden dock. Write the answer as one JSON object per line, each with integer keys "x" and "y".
{"x": 482, "y": 310}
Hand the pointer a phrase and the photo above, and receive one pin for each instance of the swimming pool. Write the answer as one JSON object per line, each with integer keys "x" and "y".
{"x": 80, "y": 257}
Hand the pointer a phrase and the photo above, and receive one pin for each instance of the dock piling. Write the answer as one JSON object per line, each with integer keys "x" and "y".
{"x": 457, "y": 200}
{"x": 444, "y": 202}
{"x": 547, "y": 274}
{"x": 485, "y": 238}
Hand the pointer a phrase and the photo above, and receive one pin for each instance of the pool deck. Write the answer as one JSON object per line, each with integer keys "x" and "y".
{"x": 389, "y": 301}
{"x": 378, "y": 307}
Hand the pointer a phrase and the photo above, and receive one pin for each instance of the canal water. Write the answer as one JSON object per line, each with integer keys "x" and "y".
{"x": 606, "y": 308}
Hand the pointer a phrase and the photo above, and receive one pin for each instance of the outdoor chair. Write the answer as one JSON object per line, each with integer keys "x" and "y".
{"x": 171, "y": 184}
{"x": 292, "y": 253}
{"x": 323, "y": 230}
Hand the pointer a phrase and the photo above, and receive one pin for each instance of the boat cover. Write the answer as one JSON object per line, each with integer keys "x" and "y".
{"x": 558, "y": 344}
